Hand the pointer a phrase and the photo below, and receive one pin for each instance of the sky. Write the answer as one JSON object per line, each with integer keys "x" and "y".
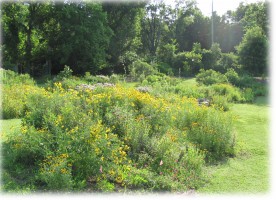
{"x": 220, "y": 6}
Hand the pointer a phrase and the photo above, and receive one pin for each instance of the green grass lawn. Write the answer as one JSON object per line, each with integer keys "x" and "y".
{"x": 248, "y": 172}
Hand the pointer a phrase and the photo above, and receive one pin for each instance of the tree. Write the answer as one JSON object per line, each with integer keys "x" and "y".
{"x": 152, "y": 27}
{"x": 252, "y": 51}
{"x": 124, "y": 19}
{"x": 165, "y": 53}
{"x": 239, "y": 13}
{"x": 186, "y": 24}
{"x": 257, "y": 15}
{"x": 69, "y": 33}
{"x": 21, "y": 35}
{"x": 84, "y": 36}
{"x": 11, "y": 20}
{"x": 188, "y": 63}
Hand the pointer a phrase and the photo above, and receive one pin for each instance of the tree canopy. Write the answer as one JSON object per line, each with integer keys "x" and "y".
{"x": 103, "y": 37}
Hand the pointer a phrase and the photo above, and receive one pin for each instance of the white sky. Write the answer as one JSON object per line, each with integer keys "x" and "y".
{"x": 220, "y": 6}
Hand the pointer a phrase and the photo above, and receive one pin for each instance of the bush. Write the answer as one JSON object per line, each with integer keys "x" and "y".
{"x": 211, "y": 57}
{"x": 71, "y": 83}
{"x": 232, "y": 76}
{"x": 56, "y": 171}
{"x": 61, "y": 123}
{"x": 188, "y": 62}
{"x": 227, "y": 61}
{"x": 248, "y": 95}
{"x": 165, "y": 53}
{"x": 165, "y": 68}
{"x": 231, "y": 93}
{"x": 14, "y": 99}
{"x": 142, "y": 69}
{"x": 8, "y": 77}
{"x": 209, "y": 77}
{"x": 191, "y": 92}
{"x": 116, "y": 139}
{"x": 96, "y": 79}
{"x": 64, "y": 74}
{"x": 220, "y": 102}
{"x": 154, "y": 78}
{"x": 260, "y": 90}
{"x": 211, "y": 131}
{"x": 116, "y": 78}
{"x": 245, "y": 81}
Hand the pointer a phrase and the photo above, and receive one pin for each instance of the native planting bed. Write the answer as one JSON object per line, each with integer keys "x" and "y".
{"x": 94, "y": 134}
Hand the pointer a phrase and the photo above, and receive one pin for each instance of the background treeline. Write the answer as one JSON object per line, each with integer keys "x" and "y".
{"x": 40, "y": 38}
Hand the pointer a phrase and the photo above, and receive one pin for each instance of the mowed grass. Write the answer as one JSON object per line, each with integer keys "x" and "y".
{"x": 248, "y": 171}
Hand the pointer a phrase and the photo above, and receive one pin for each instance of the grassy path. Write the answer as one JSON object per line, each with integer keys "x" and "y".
{"x": 248, "y": 172}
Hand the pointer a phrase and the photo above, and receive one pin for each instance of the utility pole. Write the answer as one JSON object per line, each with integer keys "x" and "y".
{"x": 212, "y": 23}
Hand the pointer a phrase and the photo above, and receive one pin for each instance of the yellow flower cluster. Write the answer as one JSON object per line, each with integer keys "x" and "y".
{"x": 58, "y": 120}
{"x": 55, "y": 164}
{"x": 58, "y": 86}
{"x": 102, "y": 141}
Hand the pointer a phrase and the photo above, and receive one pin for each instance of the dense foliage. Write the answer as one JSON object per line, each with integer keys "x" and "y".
{"x": 252, "y": 51}
{"x": 105, "y": 38}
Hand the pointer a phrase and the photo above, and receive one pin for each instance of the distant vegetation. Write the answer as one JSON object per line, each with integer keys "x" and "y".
{"x": 105, "y": 38}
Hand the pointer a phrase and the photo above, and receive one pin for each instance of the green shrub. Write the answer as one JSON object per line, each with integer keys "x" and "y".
{"x": 96, "y": 79}
{"x": 65, "y": 73}
{"x": 231, "y": 93}
{"x": 165, "y": 53}
{"x": 55, "y": 171}
{"x": 248, "y": 95}
{"x": 71, "y": 83}
{"x": 211, "y": 131}
{"x": 260, "y": 90}
{"x": 232, "y": 76}
{"x": 8, "y": 77}
{"x": 154, "y": 78}
{"x": 193, "y": 92}
{"x": 71, "y": 132}
{"x": 245, "y": 81}
{"x": 142, "y": 69}
{"x": 115, "y": 138}
{"x": 226, "y": 62}
{"x": 220, "y": 102}
{"x": 14, "y": 98}
{"x": 165, "y": 68}
{"x": 211, "y": 57}
{"x": 116, "y": 78}
{"x": 188, "y": 62}
{"x": 209, "y": 77}
{"x": 105, "y": 186}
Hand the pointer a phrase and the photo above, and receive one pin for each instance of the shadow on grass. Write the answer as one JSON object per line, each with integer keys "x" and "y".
{"x": 262, "y": 101}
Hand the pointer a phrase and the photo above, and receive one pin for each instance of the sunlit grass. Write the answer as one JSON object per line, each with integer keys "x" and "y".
{"x": 248, "y": 172}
